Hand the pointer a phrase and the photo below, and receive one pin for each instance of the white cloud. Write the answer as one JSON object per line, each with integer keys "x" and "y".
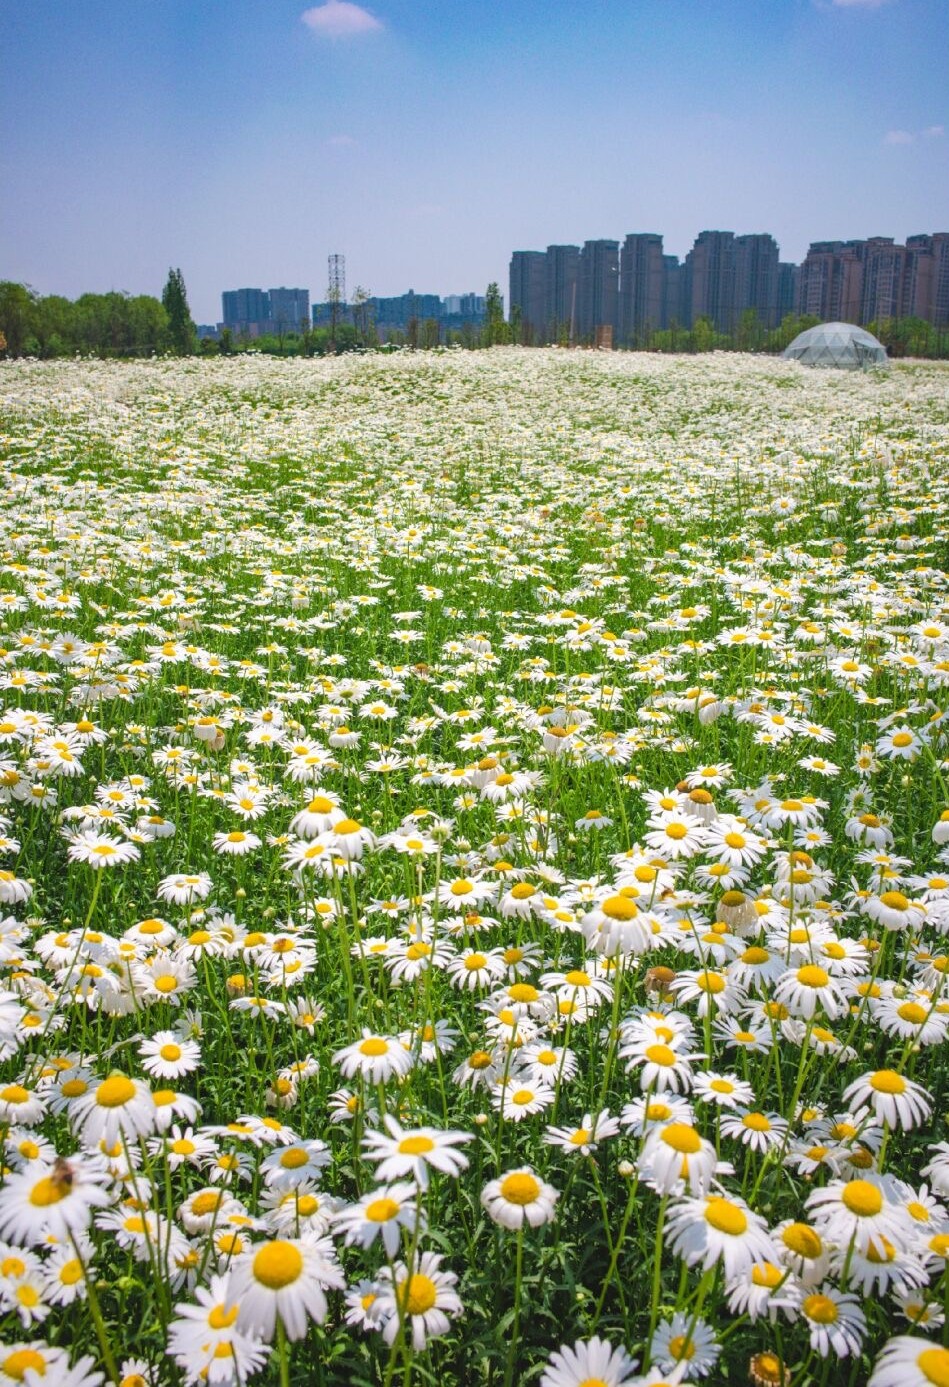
{"x": 341, "y": 142}
{"x": 858, "y": 4}
{"x": 897, "y": 137}
{"x": 339, "y": 19}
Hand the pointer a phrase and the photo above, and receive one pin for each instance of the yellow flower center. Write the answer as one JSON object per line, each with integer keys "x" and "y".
{"x": 222, "y": 1318}
{"x": 820, "y": 1308}
{"x": 681, "y": 1347}
{"x": 894, "y": 900}
{"x": 933, "y": 1363}
{"x": 374, "y": 1045}
{"x": 278, "y": 1264}
{"x": 115, "y": 1091}
{"x": 523, "y": 992}
{"x": 682, "y": 1138}
{"x": 862, "y": 1198}
{"x": 802, "y": 1240}
{"x": 21, "y": 1361}
{"x": 725, "y": 1216}
{"x": 416, "y": 1146}
{"x": 205, "y": 1203}
{"x": 520, "y": 1188}
{"x": 811, "y": 975}
{"x": 382, "y": 1210}
{"x": 577, "y": 978}
{"x": 422, "y": 1294}
{"x": 887, "y": 1081}
{"x": 620, "y": 908}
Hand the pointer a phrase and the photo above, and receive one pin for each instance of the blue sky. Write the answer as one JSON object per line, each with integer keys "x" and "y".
{"x": 245, "y": 140}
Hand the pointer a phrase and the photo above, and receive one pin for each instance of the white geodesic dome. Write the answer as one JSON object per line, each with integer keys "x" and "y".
{"x": 841, "y": 345}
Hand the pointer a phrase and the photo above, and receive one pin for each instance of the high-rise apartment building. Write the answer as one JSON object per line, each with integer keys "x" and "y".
{"x": 884, "y": 266}
{"x": 527, "y": 292}
{"x": 710, "y": 279}
{"x": 562, "y": 264}
{"x": 289, "y": 309}
{"x": 245, "y": 311}
{"x": 597, "y": 288}
{"x": 787, "y": 288}
{"x": 756, "y": 278}
{"x": 641, "y": 288}
{"x": 673, "y": 279}
{"x": 926, "y": 278}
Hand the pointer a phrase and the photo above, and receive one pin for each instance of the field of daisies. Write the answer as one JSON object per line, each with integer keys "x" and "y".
{"x": 474, "y": 872}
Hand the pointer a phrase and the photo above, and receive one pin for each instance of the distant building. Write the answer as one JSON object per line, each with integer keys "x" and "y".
{"x": 673, "y": 279}
{"x": 255, "y": 312}
{"x": 562, "y": 265}
{"x": 642, "y": 288}
{"x": 787, "y": 288}
{"x": 868, "y": 281}
{"x": 884, "y": 265}
{"x": 289, "y": 309}
{"x": 597, "y": 288}
{"x": 527, "y": 284}
{"x": 709, "y": 290}
{"x": 245, "y": 311}
{"x": 756, "y": 278}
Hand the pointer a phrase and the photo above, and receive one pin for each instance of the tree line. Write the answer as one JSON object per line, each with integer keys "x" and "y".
{"x": 112, "y": 324}
{"x": 123, "y": 325}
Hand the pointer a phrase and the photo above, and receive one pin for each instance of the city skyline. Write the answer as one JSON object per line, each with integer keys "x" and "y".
{"x": 420, "y": 142}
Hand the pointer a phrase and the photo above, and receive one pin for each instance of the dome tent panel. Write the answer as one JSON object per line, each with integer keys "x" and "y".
{"x": 843, "y": 346}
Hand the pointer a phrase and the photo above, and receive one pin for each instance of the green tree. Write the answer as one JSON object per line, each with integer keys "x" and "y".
{"x": 17, "y": 315}
{"x": 496, "y": 330}
{"x": 181, "y": 329}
